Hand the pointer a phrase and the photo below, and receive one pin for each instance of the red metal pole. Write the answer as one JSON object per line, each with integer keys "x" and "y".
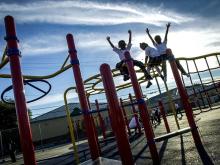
{"x": 125, "y": 117}
{"x": 164, "y": 115}
{"x": 188, "y": 110}
{"x": 101, "y": 121}
{"x": 93, "y": 125}
{"x": 118, "y": 123}
{"x": 18, "y": 87}
{"x": 143, "y": 110}
{"x": 135, "y": 114}
{"x": 90, "y": 131}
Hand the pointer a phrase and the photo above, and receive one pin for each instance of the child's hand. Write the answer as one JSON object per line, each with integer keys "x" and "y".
{"x": 147, "y": 31}
{"x": 168, "y": 25}
{"x": 129, "y": 31}
{"x": 108, "y": 38}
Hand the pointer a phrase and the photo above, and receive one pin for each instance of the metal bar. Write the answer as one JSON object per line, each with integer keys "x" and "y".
{"x": 117, "y": 120}
{"x": 143, "y": 110}
{"x": 18, "y": 88}
{"x": 92, "y": 140}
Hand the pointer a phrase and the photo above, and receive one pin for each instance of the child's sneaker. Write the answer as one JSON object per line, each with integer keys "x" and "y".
{"x": 149, "y": 84}
{"x": 148, "y": 77}
{"x": 186, "y": 74}
{"x": 126, "y": 77}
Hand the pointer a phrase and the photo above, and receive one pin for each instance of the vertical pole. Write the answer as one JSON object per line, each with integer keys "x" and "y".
{"x": 213, "y": 81}
{"x": 41, "y": 137}
{"x": 160, "y": 104}
{"x": 92, "y": 139}
{"x": 194, "y": 90}
{"x": 135, "y": 114}
{"x": 2, "y": 147}
{"x": 18, "y": 87}
{"x": 204, "y": 90}
{"x": 188, "y": 110}
{"x": 71, "y": 128}
{"x": 101, "y": 121}
{"x": 125, "y": 117}
{"x": 143, "y": 109}
{"x": 117, "y": 122}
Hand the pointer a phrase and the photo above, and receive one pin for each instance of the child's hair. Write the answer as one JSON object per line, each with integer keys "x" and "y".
{"x": 143, "y": 45}
{"x": 121, "y": 44}
{"x": 157, "y": 38}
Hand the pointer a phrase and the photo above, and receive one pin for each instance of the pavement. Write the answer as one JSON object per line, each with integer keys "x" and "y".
{"x": 176, "y": 150}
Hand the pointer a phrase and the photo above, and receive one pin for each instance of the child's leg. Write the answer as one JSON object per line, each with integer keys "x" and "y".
{"x": 119, "y": 67}
{"x": 164, "y": 68}
{"x": 180, "y": 67}
{"x": 142, "y": 67}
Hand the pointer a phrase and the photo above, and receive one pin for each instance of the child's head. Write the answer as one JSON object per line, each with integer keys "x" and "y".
{"x": 157, "y": 38}
{"x": 122, "y": 44}
{"x": 143, "y": 45}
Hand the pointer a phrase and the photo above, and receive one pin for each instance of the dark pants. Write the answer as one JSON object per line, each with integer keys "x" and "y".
{"x": 124, "y": 70}
{"x": 162, "y": 59}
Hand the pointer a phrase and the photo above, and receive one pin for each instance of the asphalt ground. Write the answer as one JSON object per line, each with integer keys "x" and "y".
{"x": 176, "y": 150}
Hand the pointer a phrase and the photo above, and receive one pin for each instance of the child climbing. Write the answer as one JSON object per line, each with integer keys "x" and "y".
{"x": 122, "y": 48}
{"x": 154, "y": 58}
{"x": 162, "y": 47}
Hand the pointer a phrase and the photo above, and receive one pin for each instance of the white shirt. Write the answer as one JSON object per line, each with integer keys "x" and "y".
{"x": 133, "y": 123}
{"x": 161, "y": 48}
{"x": 151, "y": 52}
{"x": 121, "y": 52}
{"x": 176, "y": 106}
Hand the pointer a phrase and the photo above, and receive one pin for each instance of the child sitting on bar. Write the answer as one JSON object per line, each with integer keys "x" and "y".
{"x": 122, "y": 48}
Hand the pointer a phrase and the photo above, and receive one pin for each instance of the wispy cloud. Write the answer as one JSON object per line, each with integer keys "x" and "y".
{"x": 89, "y": 13}
{"x": 55, "y": 98}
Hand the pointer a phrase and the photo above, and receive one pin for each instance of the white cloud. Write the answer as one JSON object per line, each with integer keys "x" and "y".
{"x": 89, "y": 13}
{"x": 55, "y": 98}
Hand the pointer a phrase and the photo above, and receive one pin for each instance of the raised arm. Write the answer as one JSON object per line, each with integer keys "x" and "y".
{"x": 129, "y": 32}
{"x": 148, "y": 33}
{"x": 167, "y": 30}
{"x": 109, "y": 41}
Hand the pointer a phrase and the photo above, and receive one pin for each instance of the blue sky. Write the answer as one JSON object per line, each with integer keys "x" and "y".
{"x": 43, "y": 25}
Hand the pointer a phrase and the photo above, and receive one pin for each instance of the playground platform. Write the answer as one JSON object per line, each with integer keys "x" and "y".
{"x": 176, "y": 150}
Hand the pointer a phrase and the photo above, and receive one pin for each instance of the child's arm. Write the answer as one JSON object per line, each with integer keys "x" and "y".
{"x": 168, "y": 26}
{"x": 129, "y": 32}
{"x": 109, "y": 41}
{"x": 148, "y": 33}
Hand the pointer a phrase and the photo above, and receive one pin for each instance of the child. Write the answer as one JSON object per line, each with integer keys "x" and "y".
{"x": 122, "y": 48}
{"x": 154, "y": 58}
{"x": 162, "y": 47}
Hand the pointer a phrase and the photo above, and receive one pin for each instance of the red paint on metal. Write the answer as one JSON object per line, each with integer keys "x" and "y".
{"x": 20, "y": 101}
{"x": 162, "y": 111}
{"x": 117, "y": 120}
{"x": 143, "y": 110}
{"x": 92, "y": 139}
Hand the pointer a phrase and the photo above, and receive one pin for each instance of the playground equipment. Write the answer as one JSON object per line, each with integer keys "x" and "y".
{"x": 91, "y": 89}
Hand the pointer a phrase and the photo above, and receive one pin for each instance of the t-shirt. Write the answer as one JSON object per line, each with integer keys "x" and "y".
{"x": 161, "y": 48}
{"x": 151, "y": 52}
{"x": 121, "y": 52}
{"x": 133, "y": 123}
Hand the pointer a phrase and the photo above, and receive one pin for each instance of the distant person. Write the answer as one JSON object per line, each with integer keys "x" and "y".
{"x": 162, "y": 49}
{"x": 11, "y": 148}
{"x": 152, "y": 58}
{"x": 178, "y": 111}
{"x": 122, "y": 48}
{"x": 133, "y": 124}
{"x": 157, "y": 115}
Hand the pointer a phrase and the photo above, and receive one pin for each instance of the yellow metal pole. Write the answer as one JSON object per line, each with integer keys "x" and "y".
{"x": 71, "y": 126}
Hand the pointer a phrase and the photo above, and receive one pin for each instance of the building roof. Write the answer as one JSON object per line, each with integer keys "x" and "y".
{"x": 60, "y": 112}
